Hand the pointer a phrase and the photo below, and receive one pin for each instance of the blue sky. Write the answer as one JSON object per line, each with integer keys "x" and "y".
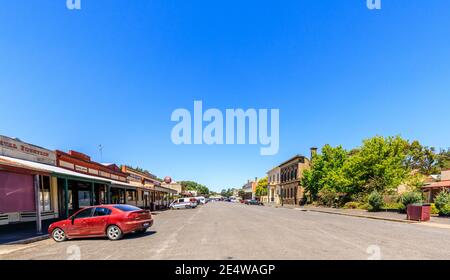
{"x": 113, "y": 72}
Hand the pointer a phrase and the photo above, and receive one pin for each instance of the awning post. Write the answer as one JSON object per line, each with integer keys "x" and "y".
{"x": 92, "y": 194}
{"x": 66, "y": 197}
{"x": 38, "y": 204}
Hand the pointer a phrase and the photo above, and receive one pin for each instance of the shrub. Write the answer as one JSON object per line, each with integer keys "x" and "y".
{"x": 434, "y": 209}
{"x": 327, "y": 197}
{"x": 352, "y": 205}
{"x": 410, "y": 198}
{"x": 375, "y": 200}
{"x": 364, "y": 206}
{"x": 442, "y": 203}
{"x": 393, "y": 206}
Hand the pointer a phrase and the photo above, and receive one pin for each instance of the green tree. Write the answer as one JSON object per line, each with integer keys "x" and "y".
{"x": 261, "y": 187}
{"x": 379, "y": 165}
{"x": 327, "y": 171}
{"x": 443, "y": 159}
{"x": 194, "y": 186}
{"x": 227, "y": 192}
{"x": 421, "y": 158}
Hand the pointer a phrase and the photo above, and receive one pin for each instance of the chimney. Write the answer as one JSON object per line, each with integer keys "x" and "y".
{"x": 313, "y": 152}
{"x": 256, "y": 179}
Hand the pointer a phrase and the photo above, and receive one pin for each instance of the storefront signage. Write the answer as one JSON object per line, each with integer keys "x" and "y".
{"x": 93, "y": 171}
{"x": 105, "y": 174}
{"x": 66, "y": 164}
{"x": 17, "y": 149}
{"x": 81, "y": 168}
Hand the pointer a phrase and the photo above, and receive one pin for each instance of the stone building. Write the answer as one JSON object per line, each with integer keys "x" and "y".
{"x": 274, "y": 190}
{"x": 291, "y": 173}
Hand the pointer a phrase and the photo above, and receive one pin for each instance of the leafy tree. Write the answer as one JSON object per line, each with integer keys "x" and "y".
{"x": 421, "y": 158}
{"x": 194, "y": 186}
{"x": 227, "y": 192}
{"x": 327, "y": 171}
{"x": 443, "y": 159}
{"x": 261, "y": 187}
{"x": 379, "y": 165}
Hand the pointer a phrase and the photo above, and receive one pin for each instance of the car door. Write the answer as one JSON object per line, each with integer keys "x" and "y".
{"x": 99, "y": 220}
{"x": 79, "y": 225}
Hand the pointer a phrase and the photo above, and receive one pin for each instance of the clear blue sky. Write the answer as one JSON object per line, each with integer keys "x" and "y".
{"x": 113, "y": 72}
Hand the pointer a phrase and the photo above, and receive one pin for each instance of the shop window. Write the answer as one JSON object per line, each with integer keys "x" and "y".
{"x": 45, "y": 194}
{"x": 84, "y": 198}
{"x": 131, "y": 195}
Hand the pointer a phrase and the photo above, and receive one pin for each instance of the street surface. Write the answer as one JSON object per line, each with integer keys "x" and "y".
{"x": 228, "y": 231}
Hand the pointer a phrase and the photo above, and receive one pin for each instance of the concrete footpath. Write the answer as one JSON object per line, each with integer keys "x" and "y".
{"x": 23, "y": 233}
{"x": 391, "y": 216}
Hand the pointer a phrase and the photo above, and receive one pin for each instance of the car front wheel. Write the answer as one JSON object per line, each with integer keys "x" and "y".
{"x": 59, "y": 235}
{"x": 114, "y": 232}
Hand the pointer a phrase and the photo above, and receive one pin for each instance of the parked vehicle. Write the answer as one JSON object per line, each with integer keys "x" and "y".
{"x": 201, "y": 200}
{"x": 253, "y": 202}
{"x": 183, "y": 203}
{"x": 112, "y": 221}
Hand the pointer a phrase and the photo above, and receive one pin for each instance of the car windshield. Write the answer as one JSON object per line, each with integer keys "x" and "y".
{"x": 126, "y": 208}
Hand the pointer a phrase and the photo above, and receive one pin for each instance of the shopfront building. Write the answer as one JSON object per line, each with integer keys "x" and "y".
{"x": 149, "y": 191}
{"x": 25, "y": 190}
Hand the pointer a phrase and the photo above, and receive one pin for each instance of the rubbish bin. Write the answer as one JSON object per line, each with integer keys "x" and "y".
{"x": 419, "y": 212}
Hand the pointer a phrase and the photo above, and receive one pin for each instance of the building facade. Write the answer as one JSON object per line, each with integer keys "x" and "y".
{"x": 38, "y": 184}
{"x": 291, "y": 173}
{"x": 431, "y": 190}
{"x": 249, "y": 189}
{"x": 26, "y": 190}
{"x": 152, "y": 194}
{"x": 274, "y": 187}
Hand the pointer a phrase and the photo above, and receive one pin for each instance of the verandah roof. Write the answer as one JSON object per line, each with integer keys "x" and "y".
{"x": 61, "y": 172}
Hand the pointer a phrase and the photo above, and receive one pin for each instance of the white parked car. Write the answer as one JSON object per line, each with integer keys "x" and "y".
{"x": 201, "y": 199}
{"x": 182, "y": 203}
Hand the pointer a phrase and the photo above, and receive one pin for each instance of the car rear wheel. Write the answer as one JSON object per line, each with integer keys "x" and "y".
{"x": 59, "y": 235}
{"x": 114, "y": 232}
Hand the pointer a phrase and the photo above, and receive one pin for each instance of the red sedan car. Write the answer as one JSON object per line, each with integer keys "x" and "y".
{"x": 112, "y": 221}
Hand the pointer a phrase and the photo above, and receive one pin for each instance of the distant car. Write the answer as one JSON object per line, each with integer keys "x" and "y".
{"x": 183, "y": 203}
{"x": 253, "y": 202}
{"x": 112, "y": 221}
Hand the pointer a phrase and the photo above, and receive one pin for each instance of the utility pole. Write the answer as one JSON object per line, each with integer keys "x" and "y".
{"x": 100, "y": 148}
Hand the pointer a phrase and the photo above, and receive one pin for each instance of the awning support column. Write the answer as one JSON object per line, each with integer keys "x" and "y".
{"x": 92, "y": 194}
{"x": 108, "y": 194}
{"x": 66, "y": 197}
{"x": 37, "y": 203}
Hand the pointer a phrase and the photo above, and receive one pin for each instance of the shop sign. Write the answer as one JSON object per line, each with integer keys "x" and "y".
{"x": 66, "y": 164}
{"x": 17, "y": 149}
{"x": 105, "y": 174}
{"x": 81, "y": 168}
{"x": 93, "y": 171}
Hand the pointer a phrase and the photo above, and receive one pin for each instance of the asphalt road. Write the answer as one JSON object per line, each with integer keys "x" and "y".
{"x": 224, "y": 231}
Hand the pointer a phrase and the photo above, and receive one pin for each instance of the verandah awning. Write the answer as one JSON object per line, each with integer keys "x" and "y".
{"x": 58, "y": 171}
